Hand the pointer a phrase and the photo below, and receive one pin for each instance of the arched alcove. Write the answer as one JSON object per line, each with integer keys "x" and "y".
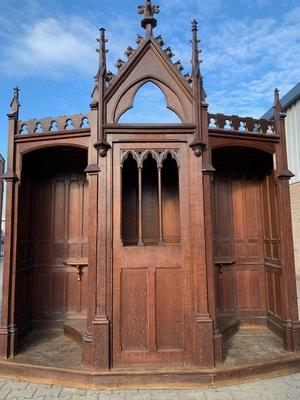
{"x": 245, "y": 231}
{"x": 52, "y": 228}
{"x": 149, "y": 107}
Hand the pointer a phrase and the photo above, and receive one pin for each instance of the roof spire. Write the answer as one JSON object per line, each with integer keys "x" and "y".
{"x": 102, "y": 52}
{"x": 196, "y": 74}
{"x": 277, "y": 104}
{"x": 15, "y": 104}
{"x": 195, "y": 60}
{"x": 148, "y": 22}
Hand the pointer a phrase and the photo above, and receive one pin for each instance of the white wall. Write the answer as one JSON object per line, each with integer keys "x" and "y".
{"x": 292, "y": 126}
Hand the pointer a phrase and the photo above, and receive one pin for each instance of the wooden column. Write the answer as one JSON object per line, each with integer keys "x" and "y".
{"x": 208, "y": 172}
{"x": 96, "y": 352}
{"x": 200, "y": 239}
{"x": 291, "y": 324}
{"x": 8, "y": 329}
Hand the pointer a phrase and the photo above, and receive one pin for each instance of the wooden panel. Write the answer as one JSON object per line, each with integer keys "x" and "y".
{"x": 256, "y": 289}
{"x": 278, "y": 291}
{"x": 228, "y": 290}
{"x": 169, "y": 311}
{"x": 134, "y": 309}
{"x": 58, "y": 291}
{"x": 242, "y": 290}
{"x": 239, "y": 215}
{"x": 42, "y": 291}
{"x": 223, "y": 220}
{"x": 72, "y": 287}
{"x": 270, "y": 291}
{"x": 247, "y": 220}
{"x": 271, "y": 235}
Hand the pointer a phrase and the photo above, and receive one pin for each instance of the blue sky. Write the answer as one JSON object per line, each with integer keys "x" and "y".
{"x": 47, "y": 48}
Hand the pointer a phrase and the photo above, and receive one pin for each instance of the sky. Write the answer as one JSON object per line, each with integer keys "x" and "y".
{"x": 47, "y": 48}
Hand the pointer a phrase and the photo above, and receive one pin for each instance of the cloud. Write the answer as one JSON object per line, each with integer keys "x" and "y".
{"x": 49, "y": 47}
{"x": 243, "y": 59}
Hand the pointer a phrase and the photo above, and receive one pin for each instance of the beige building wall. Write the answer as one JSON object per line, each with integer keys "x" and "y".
{"x": 292, "y": 124}
{"x": 295, "y": 205}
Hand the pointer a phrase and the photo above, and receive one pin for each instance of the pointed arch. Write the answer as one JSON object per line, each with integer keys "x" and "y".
{"x": 126, "y": 100}
{"x": 149, "y": 104}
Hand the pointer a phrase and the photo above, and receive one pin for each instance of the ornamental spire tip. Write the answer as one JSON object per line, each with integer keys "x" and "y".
{"x": 148, "y": 22}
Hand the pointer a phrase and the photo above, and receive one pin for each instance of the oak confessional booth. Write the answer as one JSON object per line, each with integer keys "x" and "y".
{"x": 160, "y": 240}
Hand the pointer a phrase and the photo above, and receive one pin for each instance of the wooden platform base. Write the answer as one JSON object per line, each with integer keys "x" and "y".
{"x": 50, "y": 357}
{"x": 158, "y": 379}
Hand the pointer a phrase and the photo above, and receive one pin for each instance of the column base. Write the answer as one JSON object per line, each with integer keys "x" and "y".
{"x": 96, "y": 352}
{"x": 204, "y": 341}
{"x": 291, "y": 335}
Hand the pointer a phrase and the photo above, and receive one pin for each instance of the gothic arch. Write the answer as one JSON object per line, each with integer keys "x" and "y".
{"x": 126, "y": 99}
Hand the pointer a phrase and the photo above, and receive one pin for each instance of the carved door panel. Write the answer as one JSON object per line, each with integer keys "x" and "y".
{"x": 152, "y": 307}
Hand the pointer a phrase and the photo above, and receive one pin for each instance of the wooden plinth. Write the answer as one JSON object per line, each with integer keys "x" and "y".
{"x": 158, "y": 379}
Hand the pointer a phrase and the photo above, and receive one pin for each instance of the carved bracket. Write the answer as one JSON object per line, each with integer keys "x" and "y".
{"x": 198, "y": 146}
{"x": 102, "y": 147}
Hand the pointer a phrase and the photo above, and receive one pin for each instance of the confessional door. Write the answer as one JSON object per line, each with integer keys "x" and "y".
{"x": 152, "y": 306}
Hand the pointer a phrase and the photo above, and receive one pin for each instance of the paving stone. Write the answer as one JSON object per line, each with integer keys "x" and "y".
{"x": 190, "y": 395}
{"x": 218, "y": 394}
{"x": 27, "y": 393}
{"x": 4, "y": 393}
{"x": 67, "y": 391}
{"x": 48, "y": 390}
{"x": 164, "y": 395}
{"x": 12, "y": 384}
{"x": 111, "y": 395}
{"x": 138, "y": 395}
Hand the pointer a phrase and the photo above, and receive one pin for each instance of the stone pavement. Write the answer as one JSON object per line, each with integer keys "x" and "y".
{"x": 282, "y": 388}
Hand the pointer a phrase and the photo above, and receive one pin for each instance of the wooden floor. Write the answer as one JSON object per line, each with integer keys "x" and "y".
{"x": 53, "y": 348}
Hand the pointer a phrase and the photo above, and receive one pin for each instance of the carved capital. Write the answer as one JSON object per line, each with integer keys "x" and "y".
{"x": 198, "y": 146}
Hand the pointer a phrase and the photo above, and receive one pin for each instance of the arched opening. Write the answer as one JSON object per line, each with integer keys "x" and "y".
{"x": 130, "y": 217}
{"x": 246, "y": 238}
{"x": 52, "y": 229}
{"x": 170, "y": 200}
{"x": 150, "y": 206}
{"x": 149, "y": 107}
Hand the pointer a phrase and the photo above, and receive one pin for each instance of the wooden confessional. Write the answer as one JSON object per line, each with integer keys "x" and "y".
{"x": 160, "y": 239}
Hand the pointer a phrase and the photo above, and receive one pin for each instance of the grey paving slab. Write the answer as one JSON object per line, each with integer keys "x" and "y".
{"x": 281, "y": 388}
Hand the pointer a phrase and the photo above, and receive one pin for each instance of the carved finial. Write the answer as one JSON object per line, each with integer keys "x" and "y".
{"x": 102, "y": 52}
{"x": 196, "y": 60}
{"x": 169, "y": 53}
{"x": 195, "y": 41}
{"x": 120, "y": 63}
{"x": 15, "y": 104}
{"x": 159, "y": 40}
{"x": 188, "y": 78}
{"x": 109, "y": 76}
{"x": 178, "y": 66}
{"x": 129, "y": 52}
{"x": 139, "y": 39}
{"x": 148, "y": 22}
{"x": 277, "y": 104}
